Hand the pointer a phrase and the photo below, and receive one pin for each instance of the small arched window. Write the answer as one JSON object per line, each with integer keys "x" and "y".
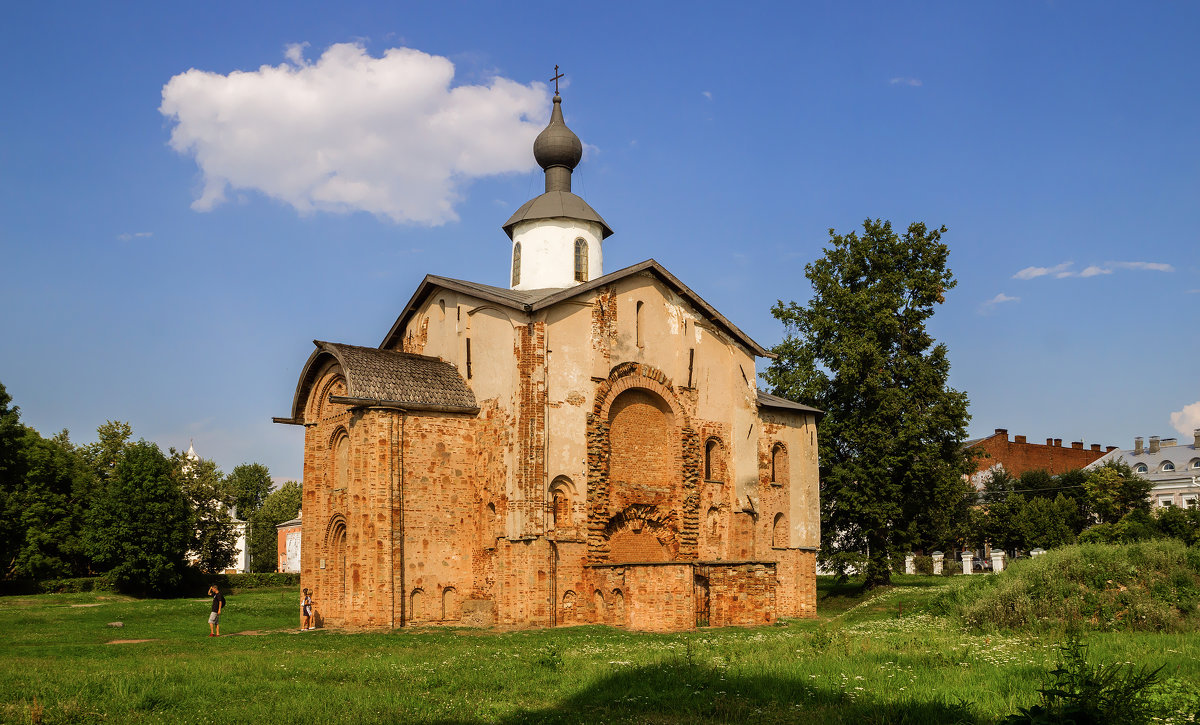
{"x": 779, "y": 464}
{"x": 1140, "y": 468}
{"x": 1168, "y": 466}
{"x": 516, "y": 271}
{"x": 560, "y": 497}
{"x": 1196, "y": 463}
{"x": 712, "y": 460}
{"x": 581, "y": 260}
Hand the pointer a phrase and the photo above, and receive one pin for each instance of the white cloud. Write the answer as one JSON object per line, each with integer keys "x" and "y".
{"x": 1062, "y": 271}
{"x": 1059, "y": 270}
{"x": 903, "y": 81}
{"x": 134, "y": 235}
{"x": 999, "y": 299}
{"x": 351, "y": 132}
{"x": 706, "y": 94}
{"x": 1149, "y": 266}
{"x": 1187, "y": 420}
{"x": 294, "y": 52}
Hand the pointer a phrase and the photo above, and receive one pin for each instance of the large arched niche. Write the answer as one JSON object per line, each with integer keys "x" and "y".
{"x": 644, "y": 456}
{"x": 644, "y": 464}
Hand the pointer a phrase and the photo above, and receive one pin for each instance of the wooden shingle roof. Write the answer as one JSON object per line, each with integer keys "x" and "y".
{"x": 385, "y": 378}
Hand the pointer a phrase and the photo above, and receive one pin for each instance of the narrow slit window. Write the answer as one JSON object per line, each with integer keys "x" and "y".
{"x": 637, "y": 324}
{"x": 468, "y": 358}
{"x": 516, "y": 271}
{"x": 581, "y": 260}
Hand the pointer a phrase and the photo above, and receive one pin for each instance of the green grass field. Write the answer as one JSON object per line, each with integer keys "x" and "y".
{"x": 886, "y": 657}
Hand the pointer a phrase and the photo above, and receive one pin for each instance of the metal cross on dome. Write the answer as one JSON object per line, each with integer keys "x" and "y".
{"x": 557, "y": 75}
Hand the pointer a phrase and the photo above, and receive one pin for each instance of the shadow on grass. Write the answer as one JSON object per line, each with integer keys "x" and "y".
{"x": 683, "y": 693}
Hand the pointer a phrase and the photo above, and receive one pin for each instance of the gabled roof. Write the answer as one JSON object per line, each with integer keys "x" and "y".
{"x": 533, "y": 300}
{"x": 386, "y": 378}
{"x": 766, "y": 400}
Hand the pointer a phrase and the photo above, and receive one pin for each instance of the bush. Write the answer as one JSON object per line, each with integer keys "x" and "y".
{"x": 950, "y": 567}
{"x": 57, "y": 586}
{"x": 924, "y": 565}
{"x": 198, "y": 581}
{"x": 1151, "y": 586}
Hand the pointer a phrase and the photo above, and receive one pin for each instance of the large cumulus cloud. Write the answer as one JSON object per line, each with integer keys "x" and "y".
{"x": 351, "y": 132}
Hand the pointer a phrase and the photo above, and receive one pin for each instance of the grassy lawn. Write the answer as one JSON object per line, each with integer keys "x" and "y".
{"x": 886, "y": 657}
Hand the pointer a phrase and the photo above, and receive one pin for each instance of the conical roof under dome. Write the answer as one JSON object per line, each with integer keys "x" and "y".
{"x": 557, "y": 150}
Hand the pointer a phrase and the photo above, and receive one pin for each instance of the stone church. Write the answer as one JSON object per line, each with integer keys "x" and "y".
{"x": 579, "y": 447}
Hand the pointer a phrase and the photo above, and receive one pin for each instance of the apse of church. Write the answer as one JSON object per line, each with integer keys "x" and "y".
{"x": 579, "y": 447}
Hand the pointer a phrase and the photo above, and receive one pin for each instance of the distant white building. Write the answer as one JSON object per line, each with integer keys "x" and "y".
{"x": 1173, "y": 469}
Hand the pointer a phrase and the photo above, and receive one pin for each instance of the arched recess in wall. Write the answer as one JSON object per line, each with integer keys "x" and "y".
{"x": 713, "y": 525}
{"x": 779, "y": 534}
{"x": 516, "y": 264}
{"x": 618, "y": 608}
{"x": 339, "y": 460}
{"x": 450, "y": 605}
{"x": 568, "y": 606}
{"x": 600, "y": 606}
{"x": 333, "y": 576}
{"x": 714, "y": 459}
{"x": 330, "y": 382}
{"x": 562, "y": 490}
{"x": 643, "y": 442}
{"x": 779, "y": 464}
{"x": 416, "y": 606}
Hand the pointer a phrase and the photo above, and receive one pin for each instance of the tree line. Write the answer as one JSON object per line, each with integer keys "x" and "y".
{"x": 145, "y": 519}
{"x": 1107, "y": 504}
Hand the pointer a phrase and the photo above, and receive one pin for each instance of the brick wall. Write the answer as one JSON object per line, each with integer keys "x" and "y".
{"x": 1019, "y": 456}
{"x": 740, "y": 594}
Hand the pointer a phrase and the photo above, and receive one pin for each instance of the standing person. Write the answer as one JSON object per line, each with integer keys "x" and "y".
{"x": 214, "y": 619}
{"x": 306, "y": 611}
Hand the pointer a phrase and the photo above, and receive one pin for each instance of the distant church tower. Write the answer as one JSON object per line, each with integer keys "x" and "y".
{"x": 556, "y": 237}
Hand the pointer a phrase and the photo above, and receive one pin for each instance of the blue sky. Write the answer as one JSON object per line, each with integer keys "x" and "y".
{"x": 179, "y": 286}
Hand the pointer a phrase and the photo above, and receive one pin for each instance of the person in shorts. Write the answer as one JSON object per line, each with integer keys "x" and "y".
{"x": 306, "y": 618}
{"x": 214, "y": 618}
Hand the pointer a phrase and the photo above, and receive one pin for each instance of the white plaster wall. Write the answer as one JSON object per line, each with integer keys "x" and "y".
{"x": 548, "y": 252}
{"x": 569, "y": 388}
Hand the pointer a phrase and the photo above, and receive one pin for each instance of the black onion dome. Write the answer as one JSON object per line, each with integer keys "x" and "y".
{"x": 557, "y": 145}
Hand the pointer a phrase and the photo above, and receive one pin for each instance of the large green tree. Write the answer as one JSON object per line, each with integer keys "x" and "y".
{"x": 50, "y": 503}
{"x": 890, "y": 445}
{"x": 249, "y": 484}
{"x": 1114, "y": 490}
{"x": 282, "y": 505}
{"x": 12, "y": 434}
{"x": 214, "y": 539}
{"x": 141, "y": 525}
